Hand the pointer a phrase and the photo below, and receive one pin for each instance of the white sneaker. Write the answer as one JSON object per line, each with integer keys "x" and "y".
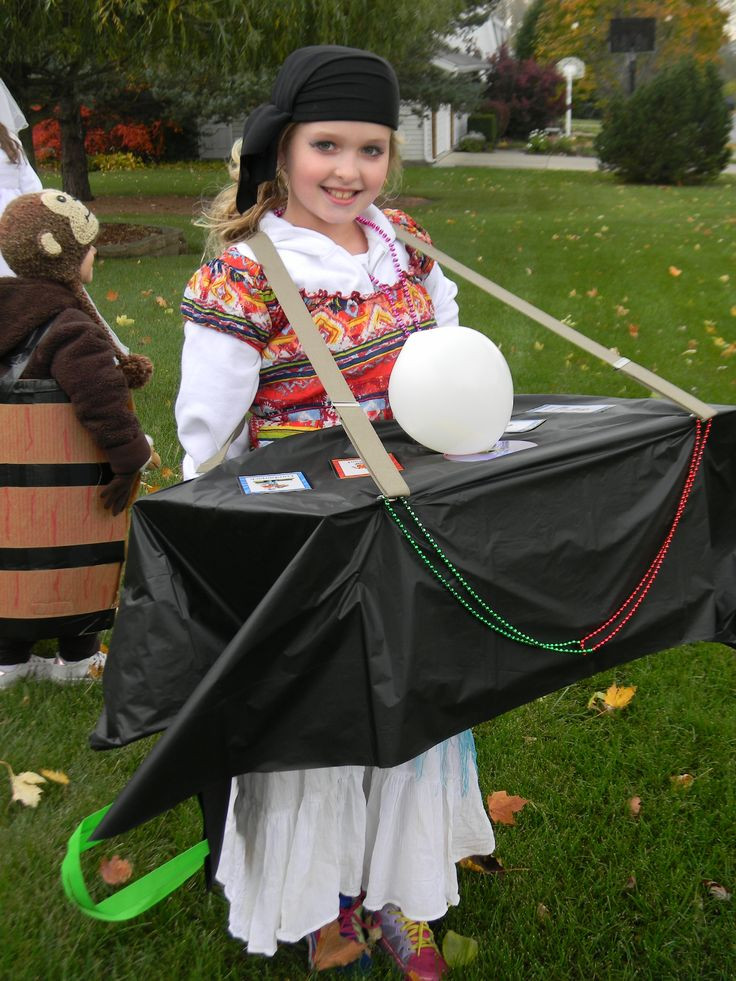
{"x": 89, "y": 669}
{"x": 10, "y": 673}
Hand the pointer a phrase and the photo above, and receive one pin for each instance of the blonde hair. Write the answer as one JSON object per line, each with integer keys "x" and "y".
{"x": 226, "y": 225}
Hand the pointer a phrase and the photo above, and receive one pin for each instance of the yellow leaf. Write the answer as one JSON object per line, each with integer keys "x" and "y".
{"x": 56, "y": 776}
{"x": 123, "y": 321}
{"x": 25, "y": 786}
{"x": 459, "y": 951}
{"x": 674, "y": 271}
{"x": 618, "y": 698}
{"x": 543, "y": 913}
{"x": 538, "y": 346}
{"x": 161, "y": 301}
{"x": 167, "y": 472}
{"x": 733, "y": 311}
{"x": 146, "y": 293}
{"x": 725, "y": 278}
{"x": 682, "y": 781}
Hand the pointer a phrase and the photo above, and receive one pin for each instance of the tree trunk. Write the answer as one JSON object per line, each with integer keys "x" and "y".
{"x": 74, "y": 176}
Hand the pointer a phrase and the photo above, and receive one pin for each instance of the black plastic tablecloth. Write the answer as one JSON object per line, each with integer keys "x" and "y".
{"x": 301, "y": 629}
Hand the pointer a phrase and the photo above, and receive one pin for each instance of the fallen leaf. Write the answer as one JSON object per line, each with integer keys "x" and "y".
{"x": 161, "y": 301}
{"x": 111, "y": 295}
{"x": 459, "y": 951}
{"x": 146, "y": 293}
{"x": 167, "y": 472}
{"x": 484, "y": 864}
{"x": 25, "y": 786}
{"x": 674, "y": 271}
{"x": 725, "y": 278}
{"x": 634, "y": 806}
{"x": 733, "y": 311}
{"x": 716, "y": 890}
{"x": 116, "y": 870}
{"x": 634, "y": 330}
{"x": 123, "y": 321}
{"x": 334, "y": 950}
{"x": 682, "y": 781}
{"x": 502, "y": 807}
{"x": 592, "y": 293}
{"x": 613, "y": 699}
{"x": 538, "y": 346}
{"x": 630, "y": 882}
{"x": 56, "y": 776}
{"x": 621, "y": 310}
{"x": 543, "y": 913}
{"x": 618, "y": 698}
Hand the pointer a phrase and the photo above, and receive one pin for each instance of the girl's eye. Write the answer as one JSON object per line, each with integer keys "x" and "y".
{"x": 373, "y": 151}
{"x": 324, "y": 146}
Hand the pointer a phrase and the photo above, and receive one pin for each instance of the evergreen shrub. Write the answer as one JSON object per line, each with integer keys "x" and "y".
{"x": 672, "y": 130}
{"x": 485, "y": 123}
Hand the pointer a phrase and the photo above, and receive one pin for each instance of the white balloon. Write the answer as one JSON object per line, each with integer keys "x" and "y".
{"x": 451, "y": 390}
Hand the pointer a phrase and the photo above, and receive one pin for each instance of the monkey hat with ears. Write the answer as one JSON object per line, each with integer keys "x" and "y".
{"x": 46, "y": 235}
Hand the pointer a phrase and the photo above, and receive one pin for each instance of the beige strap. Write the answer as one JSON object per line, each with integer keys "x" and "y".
{"x": 354, "y": 420}
{"x": 216, "y": 459}
{"x": 642, "y": 375}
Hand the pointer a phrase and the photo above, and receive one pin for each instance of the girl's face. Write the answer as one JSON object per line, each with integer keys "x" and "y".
{"x": 86, "y": 270}
{"x": 334, "y": 171}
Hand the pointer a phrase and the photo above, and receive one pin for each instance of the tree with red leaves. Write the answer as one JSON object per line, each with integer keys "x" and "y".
{"x": 534, "y": 93}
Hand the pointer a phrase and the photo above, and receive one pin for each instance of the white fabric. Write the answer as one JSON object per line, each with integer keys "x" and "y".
{"x": 15, "y": 179}
{"x": 11, "y": 114}
{"x": 294, "y": 841}
{"x": 214, "y": 365}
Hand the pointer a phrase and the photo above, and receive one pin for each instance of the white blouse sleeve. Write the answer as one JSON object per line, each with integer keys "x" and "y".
{"x": 28, "y": 181}
{"x": 219, "y": 380}
{"x": 443, "y": 292}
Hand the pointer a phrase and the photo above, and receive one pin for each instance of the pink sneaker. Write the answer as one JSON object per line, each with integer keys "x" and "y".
{"x": 411, "y": 944}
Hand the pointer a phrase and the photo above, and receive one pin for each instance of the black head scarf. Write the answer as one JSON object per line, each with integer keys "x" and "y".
{"x": 315, "y": 83}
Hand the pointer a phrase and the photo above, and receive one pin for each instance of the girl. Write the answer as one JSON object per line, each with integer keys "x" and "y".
{"x": 16, "y": 174}
{"x": 327, "y": 853}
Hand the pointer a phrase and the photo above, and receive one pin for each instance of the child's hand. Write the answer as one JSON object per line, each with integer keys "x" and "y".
{"x": 117, "y": 494}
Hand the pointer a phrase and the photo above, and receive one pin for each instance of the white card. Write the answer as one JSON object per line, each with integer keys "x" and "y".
{"x": 274, "y": 483}
{"x": 561, "y": 409}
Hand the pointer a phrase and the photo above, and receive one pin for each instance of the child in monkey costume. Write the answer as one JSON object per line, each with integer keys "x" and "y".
{"x": 50, "y": 329}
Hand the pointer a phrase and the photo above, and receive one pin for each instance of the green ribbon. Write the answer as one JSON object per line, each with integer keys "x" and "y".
{"x": 139, "y": 895}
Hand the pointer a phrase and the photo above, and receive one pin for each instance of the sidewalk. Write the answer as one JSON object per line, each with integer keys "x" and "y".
{"x": 518, "y": 160}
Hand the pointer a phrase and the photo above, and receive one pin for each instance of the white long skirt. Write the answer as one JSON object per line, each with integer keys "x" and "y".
{"x": 294, "y": 841}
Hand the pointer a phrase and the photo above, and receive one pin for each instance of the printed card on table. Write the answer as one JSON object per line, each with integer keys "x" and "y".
{"x": 572, "y": 408}
{"x": 354, "y": 467}
{"x": 522, "y": 425}
{"x": 274, "y": 483}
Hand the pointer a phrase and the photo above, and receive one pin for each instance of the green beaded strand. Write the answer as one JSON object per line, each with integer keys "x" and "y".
{"x": 497, "y": 622}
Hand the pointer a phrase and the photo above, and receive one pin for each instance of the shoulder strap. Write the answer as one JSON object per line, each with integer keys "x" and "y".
{"x": 354, "y": 420}
{"x": 15, "y": 362}
{"x": 636, "y": 371}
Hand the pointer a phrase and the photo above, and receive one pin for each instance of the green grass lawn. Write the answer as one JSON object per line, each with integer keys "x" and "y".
{"x": 590, "y": 891}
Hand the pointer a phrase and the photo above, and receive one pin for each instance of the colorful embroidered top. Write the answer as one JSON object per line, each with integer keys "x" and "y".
{"x": 231, "y": 294}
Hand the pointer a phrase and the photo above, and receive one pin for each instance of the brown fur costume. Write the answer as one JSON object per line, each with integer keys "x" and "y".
{"x": 46, "y": 236}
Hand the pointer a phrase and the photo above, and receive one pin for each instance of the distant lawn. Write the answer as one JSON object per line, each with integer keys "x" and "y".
{"x": 591, "y": 891}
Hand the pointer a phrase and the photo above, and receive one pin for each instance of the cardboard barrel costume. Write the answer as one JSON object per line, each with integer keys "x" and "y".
{"x": 69, "y": 437}
{"x": 61, "y": 560}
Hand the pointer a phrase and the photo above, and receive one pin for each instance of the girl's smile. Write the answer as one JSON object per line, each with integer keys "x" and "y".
{"x": 335, "y": 170}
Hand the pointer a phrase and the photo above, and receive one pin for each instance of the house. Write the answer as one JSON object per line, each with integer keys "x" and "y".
{"x": 426, "y": 136}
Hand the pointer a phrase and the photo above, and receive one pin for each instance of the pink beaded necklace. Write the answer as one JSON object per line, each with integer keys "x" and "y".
{"x": 400, "y": 275}
{"x": 384, "y": 287}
